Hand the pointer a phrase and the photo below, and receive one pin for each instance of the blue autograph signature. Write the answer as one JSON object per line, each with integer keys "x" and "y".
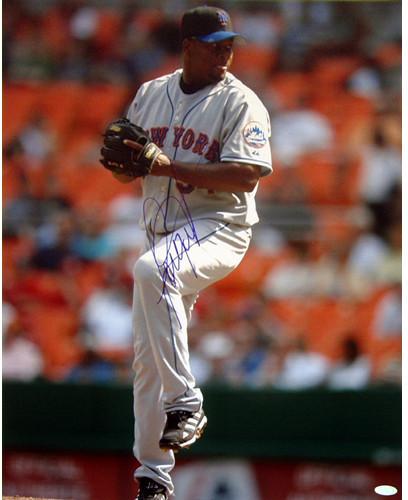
{"x": 177, "y": 243}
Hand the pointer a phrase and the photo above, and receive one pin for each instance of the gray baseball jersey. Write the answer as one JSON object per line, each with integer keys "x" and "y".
{"x": 226, "y": 122}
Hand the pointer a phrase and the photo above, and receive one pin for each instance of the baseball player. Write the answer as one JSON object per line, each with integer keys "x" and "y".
{"x": 206, "y": 146}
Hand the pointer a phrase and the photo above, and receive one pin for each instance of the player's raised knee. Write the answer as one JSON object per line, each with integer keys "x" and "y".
{"x": 145, "y": 269}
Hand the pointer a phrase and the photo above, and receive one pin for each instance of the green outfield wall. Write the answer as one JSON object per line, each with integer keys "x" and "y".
{"x": 314, "y": 424}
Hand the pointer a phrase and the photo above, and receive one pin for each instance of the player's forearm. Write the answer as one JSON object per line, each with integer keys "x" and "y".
{"x": 225, "y": 176}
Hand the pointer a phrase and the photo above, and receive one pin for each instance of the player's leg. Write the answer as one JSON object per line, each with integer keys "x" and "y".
{"x": 168, "y": 342}
{"x": 189, "y": 303}
{"x": 171, "y": 270}
{"x": 149, "y": 413}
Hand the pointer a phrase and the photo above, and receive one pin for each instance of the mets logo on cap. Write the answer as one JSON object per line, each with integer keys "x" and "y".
{"x": 254, "y": 135}
{"x": 223, "y": 17}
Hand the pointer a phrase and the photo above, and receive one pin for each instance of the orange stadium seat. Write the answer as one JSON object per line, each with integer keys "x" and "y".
{"x": 288, "y": 88}
{"x": 90, "y": 277}
{"x": 60, "y": 103}
{"x": 55, "y": 28}
{"x": 317, "y": 173}
{"x": 334, "y": 70}
{"x": 62, "y": 321}
{"x": 42, "y": 287}
{"x": 91, "y": 184}
{"x": 348, "y": 113}
{"x": 37, "y": 178}
{"x": 290, "y": 311}
{"x": 327, "y": 321}
{"x": 100, "y": 104}
{"x": 11, "y": 182}
{"x": 322, "y": 321}
{"x": 55, "y": 330}
{"x": 168, "y": 65}
{"x": 326, "y": 180}
{"x": 249, "y": 275}
{"x": 107, "y": 30}
{"x": 389, "y": 54}
{"x": 270, "y": 184}
{"x": 348, "y": 182}
{"x": 335, "y": 102}
{"x": 78, "y": 146}
{"x": 252, "y": 58}
{"x": 232, "y": 301}
{"x": 383, "y": 351}
{"x": 148, "y": 18}
{"x": 19, "y": 103}
{"x": 15, "y": 250}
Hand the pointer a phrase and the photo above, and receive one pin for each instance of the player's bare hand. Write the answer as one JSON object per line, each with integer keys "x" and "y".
{"x": 160, "y": 165}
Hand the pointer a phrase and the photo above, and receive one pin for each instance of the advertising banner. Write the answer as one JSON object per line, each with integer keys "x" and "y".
{"x": 80, "y": 476}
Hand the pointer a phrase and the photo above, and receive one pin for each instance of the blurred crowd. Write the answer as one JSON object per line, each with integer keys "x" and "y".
{"x": 316, "y": 302}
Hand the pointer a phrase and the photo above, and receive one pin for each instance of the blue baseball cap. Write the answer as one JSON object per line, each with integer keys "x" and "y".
{"x": 207, "y": 24}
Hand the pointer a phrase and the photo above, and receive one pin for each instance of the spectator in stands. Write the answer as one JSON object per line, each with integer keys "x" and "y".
{"x": 22, "y": 213}
{"x": 366, "y": 80}
{"x": 299, "y": 130}
{"x": 50, "y": 205}
{"x": 38, "y": 140}
{"x": 390, "y": 268}
{"x": 107, "y": 315}
{"x": 299, "y": 32}
{"x": 249, "y": 353}
{"x": 92, "y": 368}
{"x": 367, "y": 249}
{"x": 334, "y": 275}
{"x": 294, "y": 276}
{"x": 92, "y": 241}
{"x": 57, "y": 251}
{"x": 31, "y": 58}
{"x": 302, "y": 368}
{"x": 212, "y": 357}
{"x": 387, "y": 333}
{"x": 21, "y": 357}
{"x": 8, "y": 315}
{"x": 387, "y": 321}
{"x": 74, "y": 62}
{"x": 390, "y": 371}
{"x": 353, "y": 370}
{"x": 84, "y": 21}
{"x": 381, "y": 168}
{"x": 313, "y": 28}
{"x": 123, "y": 228}
{"x": 141, "y": 54}
{"x": 272, "y": 363}
{"x": 259, "y": 26}
{"x": 32, "y": 212}
{"x": 367, "y": 253}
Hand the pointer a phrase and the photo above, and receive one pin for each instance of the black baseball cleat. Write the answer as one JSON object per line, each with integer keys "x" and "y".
{"x": 150, "y": 490}
{"x": 182, "y": 429}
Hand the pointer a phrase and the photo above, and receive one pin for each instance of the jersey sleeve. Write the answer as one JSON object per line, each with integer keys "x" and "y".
{"x": 246, "y": 134}
{"x": 133, "y": 109}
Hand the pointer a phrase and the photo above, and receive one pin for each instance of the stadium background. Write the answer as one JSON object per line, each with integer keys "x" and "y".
{"x": 299, "y": 350}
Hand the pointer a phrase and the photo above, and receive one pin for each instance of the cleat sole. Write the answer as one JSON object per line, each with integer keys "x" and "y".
{"x": 176, "y": 447}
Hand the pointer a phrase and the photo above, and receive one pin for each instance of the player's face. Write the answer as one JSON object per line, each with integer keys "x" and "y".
{"x": 209, "y": 62}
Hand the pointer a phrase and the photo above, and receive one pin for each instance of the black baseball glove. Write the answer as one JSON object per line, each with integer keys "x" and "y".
{"x": 123, "y": 159}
